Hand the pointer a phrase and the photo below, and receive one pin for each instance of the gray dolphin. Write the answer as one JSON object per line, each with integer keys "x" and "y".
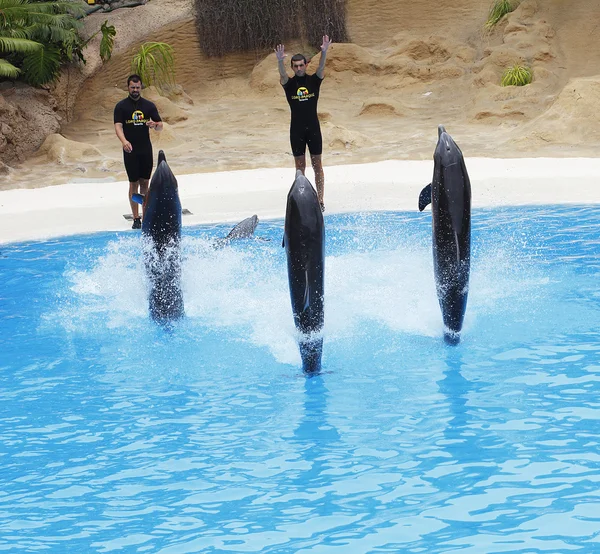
{"x": 450, "y": 196}
{"x": 243, "y": 230}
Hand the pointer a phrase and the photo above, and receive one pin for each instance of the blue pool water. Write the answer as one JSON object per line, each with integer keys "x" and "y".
{"x": 116, "y": 436}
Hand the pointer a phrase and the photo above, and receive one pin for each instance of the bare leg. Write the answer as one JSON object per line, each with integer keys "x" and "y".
{"x": 144, "y": 192}
{"x": 133, "y": 188}
{"x": 300, "y": 162}
{"x": 319, "y": 179}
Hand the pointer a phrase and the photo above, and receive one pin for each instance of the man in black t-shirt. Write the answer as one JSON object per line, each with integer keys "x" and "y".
{"x": 133, "y": 117}
{"x": 302, "y": 92}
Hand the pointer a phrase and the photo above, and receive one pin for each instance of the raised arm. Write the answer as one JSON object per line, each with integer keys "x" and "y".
{"x": 280, "y": 53}
{"x": 324, "y": 47}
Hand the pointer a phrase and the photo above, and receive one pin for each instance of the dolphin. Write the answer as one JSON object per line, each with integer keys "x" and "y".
{"x": 161, "y": 230}
{"x": 304, "y": 242}
{"x": 450, "y": 196}
{"x": 243, "y": 230}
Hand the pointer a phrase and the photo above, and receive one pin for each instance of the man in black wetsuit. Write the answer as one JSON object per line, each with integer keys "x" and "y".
{"x": 133, "y": 118}
{"x": 302, "y": 92}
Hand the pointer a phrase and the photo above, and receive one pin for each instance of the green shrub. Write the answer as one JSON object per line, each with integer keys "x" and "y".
{"x": 498, "y": 10}
{"x": 37, "y": 37}
{"x": 517, "y": 75}
{"x": 155, "y": 64}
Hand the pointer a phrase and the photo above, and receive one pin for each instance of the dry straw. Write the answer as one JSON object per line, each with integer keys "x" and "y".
{"x": 225, "y": 26}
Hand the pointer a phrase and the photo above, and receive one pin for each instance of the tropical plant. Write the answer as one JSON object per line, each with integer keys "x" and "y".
{"x": 107, "y": 42}
{"x": 14, "y": 45}
{"x": 517, "y": 75}
{"x": 155, "y": 64}
{"x": 36, "y": 37}
{"x": 498, "y": 10}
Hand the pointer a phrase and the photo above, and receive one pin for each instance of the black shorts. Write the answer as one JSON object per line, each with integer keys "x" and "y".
{"x": 138, "y": 164}
{"x": 301, "y": 137}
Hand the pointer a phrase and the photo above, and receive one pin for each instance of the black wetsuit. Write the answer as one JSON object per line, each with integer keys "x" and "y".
{"x": 302, "y": 95}
{"x": 133, "y": 115}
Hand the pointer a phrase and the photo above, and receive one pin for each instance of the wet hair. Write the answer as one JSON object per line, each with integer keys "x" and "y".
{"x": 297, "y": 58}
{"x": 134, "y": 78}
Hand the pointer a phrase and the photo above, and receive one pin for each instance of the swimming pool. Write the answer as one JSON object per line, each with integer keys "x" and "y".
{"x": 118, "y": 436}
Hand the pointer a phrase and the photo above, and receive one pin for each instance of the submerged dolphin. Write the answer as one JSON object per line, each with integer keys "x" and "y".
{"x": 450, "y": 196}
{"x": 243, "y": 230}
{"x": 304, "y": 242}
{"x": 161, "y": 229}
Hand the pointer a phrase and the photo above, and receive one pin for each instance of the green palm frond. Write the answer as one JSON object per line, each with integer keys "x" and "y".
{"x": 47, "y": 33}
{"x": 7, "y": 69}
{"x": 13, "y": 33}
{"x": 15, "y": 11}
{"x": 11, "y": 44}
{"x": 42, "y": 66}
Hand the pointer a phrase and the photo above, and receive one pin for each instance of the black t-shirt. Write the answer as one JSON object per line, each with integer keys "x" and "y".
{"x": 302, "y": 95}
{"x": 133, "y": 115}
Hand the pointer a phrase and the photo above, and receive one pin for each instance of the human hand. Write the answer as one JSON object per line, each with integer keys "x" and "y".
{"x": 280, "y": 52}
{"x": 151, "y": 124}
{"x": 127, "y": 147}
{"x": 326, "y": 43}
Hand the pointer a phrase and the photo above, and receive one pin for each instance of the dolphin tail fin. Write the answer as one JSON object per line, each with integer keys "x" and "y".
{"x": 161, "y": 156}
{"x": 138, "y": 198}
{"x": 311, "y": 352}
{"x": 425, "y": 197}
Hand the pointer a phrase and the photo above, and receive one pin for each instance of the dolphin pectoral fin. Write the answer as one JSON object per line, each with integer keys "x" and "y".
{"x": 425, "y": 197}
{"x": 138, "y": 198}
{"x": 283, "y": 242}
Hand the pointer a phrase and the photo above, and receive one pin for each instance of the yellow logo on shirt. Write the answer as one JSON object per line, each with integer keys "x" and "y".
{"x": 137, "y": 118}
{"x": 303, "y": 94}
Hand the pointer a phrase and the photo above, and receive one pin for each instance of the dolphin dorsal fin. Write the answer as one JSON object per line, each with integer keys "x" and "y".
{"x": 425, "y": 197}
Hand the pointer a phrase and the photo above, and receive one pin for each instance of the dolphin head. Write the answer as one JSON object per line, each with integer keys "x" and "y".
{"x": 252, "y": 222}
{"x": 302, "y": 186}
{"x": 163, "y": 179}
{"x": 447, "y": 151}
{"x": 162, "y": 213}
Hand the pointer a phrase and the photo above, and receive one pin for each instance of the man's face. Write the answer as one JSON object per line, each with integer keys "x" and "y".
{"x": 299, "y": 68}
{"x": 135, "y": 89}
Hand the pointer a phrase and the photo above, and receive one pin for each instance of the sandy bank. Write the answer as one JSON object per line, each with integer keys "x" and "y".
{"x": 31, "y": 214}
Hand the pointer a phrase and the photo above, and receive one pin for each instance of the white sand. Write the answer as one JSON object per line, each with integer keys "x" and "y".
{"x": 33, "y": 214}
